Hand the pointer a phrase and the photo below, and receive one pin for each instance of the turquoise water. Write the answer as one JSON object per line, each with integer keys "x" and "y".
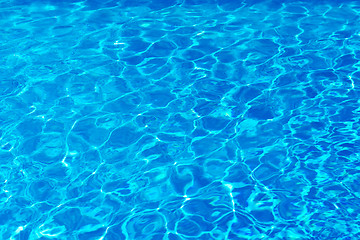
{"x": 192, "y": 119}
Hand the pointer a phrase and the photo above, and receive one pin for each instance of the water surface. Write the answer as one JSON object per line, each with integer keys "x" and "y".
{"x": 192, "y": 119}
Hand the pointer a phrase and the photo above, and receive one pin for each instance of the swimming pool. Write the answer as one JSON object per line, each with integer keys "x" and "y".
{"x": 195, "y": 119}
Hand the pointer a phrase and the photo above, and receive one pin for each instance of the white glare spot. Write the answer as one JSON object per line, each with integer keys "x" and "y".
{"x": 118, "y": 43}
{"x": 63, "y": 162}
{"x": 73, "y": 153}
{"x": 19, "y": 229}
{"x": 352, "y": 82}
{"x": 186, "y": 198}
{"x": 229, "y": 186}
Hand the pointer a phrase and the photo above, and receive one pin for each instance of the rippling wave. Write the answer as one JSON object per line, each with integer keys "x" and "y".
{"x": 179, "y": 119}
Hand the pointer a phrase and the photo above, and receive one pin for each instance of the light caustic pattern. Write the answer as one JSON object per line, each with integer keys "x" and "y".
{"x": 179, "y": 120}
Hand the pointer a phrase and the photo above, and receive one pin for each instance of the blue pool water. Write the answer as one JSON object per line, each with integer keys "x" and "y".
{"x": 172, "y": 119}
